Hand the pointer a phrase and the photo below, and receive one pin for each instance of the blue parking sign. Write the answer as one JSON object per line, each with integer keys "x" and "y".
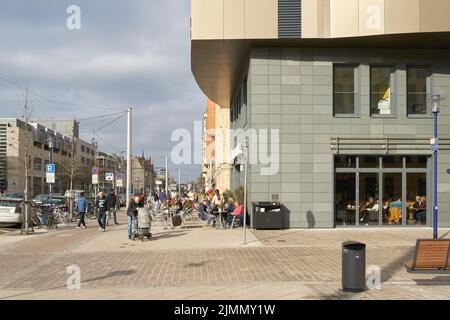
{"x": 50, "y": 168}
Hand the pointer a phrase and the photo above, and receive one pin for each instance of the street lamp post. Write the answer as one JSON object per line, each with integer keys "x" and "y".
{"x": 436, "y": 99}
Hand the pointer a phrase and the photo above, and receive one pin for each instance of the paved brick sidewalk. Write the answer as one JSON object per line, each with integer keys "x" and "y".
{"x": 290, "y": 264}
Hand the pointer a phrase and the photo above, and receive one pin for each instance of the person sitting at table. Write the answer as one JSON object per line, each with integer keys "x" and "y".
{"x": 228, "y": 209}
{"x": 203, "y": 210}
{"x": 238, "y": 212}
{"x": 397, "y": 203}
{"x": 370, "y": 208}
{"x": 420, "y": 207}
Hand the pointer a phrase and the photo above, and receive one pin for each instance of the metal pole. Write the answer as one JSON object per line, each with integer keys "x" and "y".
{"x": 50, "y": 185}
{"x": 167, "y": 175}
{"x": 436, "y": 108}
{"x": 245, "y": 191}
{"x": 179, "y": 181}
{"x": 129, "y": 173}
{"x": 435, "y": 178}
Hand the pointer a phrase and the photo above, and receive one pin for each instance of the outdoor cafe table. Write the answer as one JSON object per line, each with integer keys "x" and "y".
{"x": 219, "y": 214}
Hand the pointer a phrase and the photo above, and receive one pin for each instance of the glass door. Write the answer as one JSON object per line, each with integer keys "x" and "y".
{"x": 345, "y": 199}
{"x": 392, "y": 199}
{"x": 369, "y": 205}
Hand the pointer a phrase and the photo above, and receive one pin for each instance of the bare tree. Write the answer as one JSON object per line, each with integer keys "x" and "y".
{"x": 71, "y": 169}
{"x": 27, "y": 157}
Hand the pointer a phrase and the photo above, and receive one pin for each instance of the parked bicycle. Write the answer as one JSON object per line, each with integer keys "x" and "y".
{"x": 43, "y": 217}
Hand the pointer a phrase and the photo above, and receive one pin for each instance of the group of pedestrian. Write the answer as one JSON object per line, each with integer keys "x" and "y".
{"x": 106, "y": 209}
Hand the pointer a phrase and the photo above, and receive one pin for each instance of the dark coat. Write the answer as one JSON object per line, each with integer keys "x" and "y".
{"x": 132, "y": 209}
{"x": 111, "y": 201}
{"x": 101, "y": 204}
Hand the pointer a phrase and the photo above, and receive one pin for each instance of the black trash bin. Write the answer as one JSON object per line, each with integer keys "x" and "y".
{"x": 353, "y": 266}
{"x": 267, "y": 215}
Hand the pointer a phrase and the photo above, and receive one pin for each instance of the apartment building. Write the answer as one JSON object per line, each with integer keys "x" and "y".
{"x": 347, "y": 85}
{"x": 13, "y": 145}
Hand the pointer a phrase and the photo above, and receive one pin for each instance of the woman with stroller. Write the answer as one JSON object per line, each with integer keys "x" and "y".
{"x": 132, "y": 212}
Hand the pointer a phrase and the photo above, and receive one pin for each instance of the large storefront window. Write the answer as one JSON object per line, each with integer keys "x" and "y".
{"x": 416, "y": 191}
{"x": 368, "y": 199}
{"x": 345, "y": 199}
{"x": 381, "y": 190}
{"x": 392, "y": 198}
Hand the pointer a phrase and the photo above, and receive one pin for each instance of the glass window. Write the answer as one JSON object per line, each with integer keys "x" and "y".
{"x": 369, "y": 162}
{"x": 393, "y": 162}
{"x": 368, "y": 199}
{"x": 344, "y": 89}
{"x": 417, "y": 89}
{"x": 345, "y": 211}
{"x": 416, "y": 191}
{"x": 416, "y": 161}
{"x": 345, "y": 162}
{"x": 37, "y": 164}
{"x": 381, "y": 90}
{"x": 392, "y": 198}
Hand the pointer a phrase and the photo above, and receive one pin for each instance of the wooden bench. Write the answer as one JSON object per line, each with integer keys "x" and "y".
{"x": 430, "y": 255}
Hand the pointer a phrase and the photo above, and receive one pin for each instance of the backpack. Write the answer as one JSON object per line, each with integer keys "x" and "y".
{"x": 176, "y": 221}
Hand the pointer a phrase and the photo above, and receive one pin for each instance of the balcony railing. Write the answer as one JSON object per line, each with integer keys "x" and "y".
{"x": 384, "y": 145}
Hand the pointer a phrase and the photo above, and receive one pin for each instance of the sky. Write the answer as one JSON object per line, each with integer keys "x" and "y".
{"x": 133, "y": 53}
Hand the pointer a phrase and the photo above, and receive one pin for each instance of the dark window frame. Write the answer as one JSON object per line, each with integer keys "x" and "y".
{"x": 356, "y": 91}
{"x": 393, "y": 94}
{"x": 429, "y": 90}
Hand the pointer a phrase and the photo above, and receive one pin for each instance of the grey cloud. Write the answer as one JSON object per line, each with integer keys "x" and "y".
{"x": 128, "y": 53}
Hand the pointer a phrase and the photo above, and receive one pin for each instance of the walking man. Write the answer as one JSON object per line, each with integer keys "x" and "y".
{"x": 111, "y": 206}
{"x": 81, "y": 208}
{"x": 101, "y": 211}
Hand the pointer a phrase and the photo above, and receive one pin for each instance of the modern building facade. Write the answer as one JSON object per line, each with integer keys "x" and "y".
{"x": 345, "y": 87}
{"x": 13, "y": 145}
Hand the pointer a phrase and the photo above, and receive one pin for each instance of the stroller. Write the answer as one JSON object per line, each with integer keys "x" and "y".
{"x": 144, "y": 224}
{"x": 143, "y": 227}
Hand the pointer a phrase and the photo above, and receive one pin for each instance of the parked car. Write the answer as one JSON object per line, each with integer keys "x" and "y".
{"x": 17, "y": 195}
{"x": 11, "y": 211}
{"x": 45, "y": 198}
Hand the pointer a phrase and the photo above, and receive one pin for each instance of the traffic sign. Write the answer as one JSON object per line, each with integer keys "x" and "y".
{"x": 119, "y": 183}
{"x": 109, "y": 176}
{"x": 158, "y": 183}
{"x": 95, "y": 179}
{"x": 50, "y": 177}
{"x": 50, "y": 168}
{"x": 94, "y": 170}
{"x": 119, "y": 176}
